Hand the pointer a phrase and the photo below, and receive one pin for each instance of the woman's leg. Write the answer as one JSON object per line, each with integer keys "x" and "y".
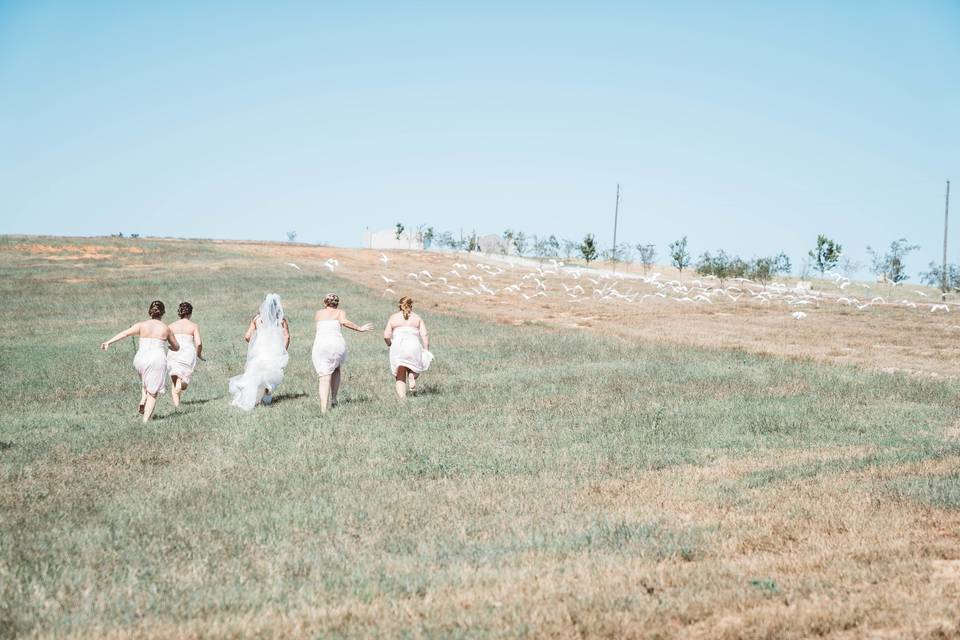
{"x": 334, "y": 386}
{"x": 412, "y": 381}
{"x": 175, "y": 391}
{"x": 324, "y": 391}
{"x": 143, "y": 398}
{"x": 401, "y": 382}
{"x": 149, "y": 406}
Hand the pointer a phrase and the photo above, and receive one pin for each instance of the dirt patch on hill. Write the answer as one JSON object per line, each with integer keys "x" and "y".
{"x": 69, "y": 252}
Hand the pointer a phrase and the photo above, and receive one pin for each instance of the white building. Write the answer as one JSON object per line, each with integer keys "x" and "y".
{"x": 387, "y": 239}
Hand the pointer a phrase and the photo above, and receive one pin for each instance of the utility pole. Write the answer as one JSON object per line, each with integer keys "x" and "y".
{"x": 943, "y": 273}
{"x": 616, "y": 213}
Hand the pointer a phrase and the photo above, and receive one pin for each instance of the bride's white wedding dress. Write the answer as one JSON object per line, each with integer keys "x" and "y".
{"x": 266, "y": 358}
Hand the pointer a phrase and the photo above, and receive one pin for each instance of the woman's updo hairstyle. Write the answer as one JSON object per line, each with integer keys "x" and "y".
{"x": 331, "y": 300}
{"x": 406, "y": 306}
{"x": 156, "y": 310}
{"x": 185, "y": 310}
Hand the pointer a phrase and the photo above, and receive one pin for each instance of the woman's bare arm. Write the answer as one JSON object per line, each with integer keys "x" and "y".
{"x": 286, "y": 334}
{"x": 250, "y": 330}
{"x": 350, "y": 325}
{"x": 197, "y": 341}
{"x": 424, "y": 338}
{"x": 132, "y": 331}
{"x": 172, "y": 339}
{"x": 388, "y": 333}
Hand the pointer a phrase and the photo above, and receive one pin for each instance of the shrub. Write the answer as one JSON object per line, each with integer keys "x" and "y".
{"x": 588, "y": 248}
{"x": 679, "y": 256}
{"x": 826, "y": 255}
{"x": 934, "y": 277}
{"x": 647, "y": 254}
{"x": 890, "y": 264}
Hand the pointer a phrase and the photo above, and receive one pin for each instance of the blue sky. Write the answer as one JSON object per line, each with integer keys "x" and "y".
{"x": 747, "y": 126}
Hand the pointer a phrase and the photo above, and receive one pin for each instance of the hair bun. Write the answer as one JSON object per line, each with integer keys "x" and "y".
{"x": 156, "y": 310}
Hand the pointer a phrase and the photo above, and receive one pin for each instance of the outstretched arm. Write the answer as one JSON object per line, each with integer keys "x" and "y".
{"x": 286, "y": 334}
{"x": 132, "y": 331}
{"x": 350, "y": 325}
{"x": 424, "y": 338}
{"x": 251, "y": 329}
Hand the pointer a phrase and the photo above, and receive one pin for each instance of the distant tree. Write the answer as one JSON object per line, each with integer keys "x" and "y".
{"x": 570, "y": 247}
{"x": 588, "y": 248}
{"x": 890, "y": 264}
{"x": 763, "y": 270}
{"x": 428, "y": 236}
{"x": 520, "y": 242}
{"x": 826, "y": 255}
{"x": 551, "y": 247}
{"x": 624, "y": 253}
{"x": 721, "y": 266}
{"x": 291, "y": 236}
{"x": 548, "y": 247}
{"x": 473, "y": 242}
{"x": 647, "y": 254}
{"x": 398, "y": 231}
{"x": 538, "y": 246}
{"x": 446, "y": 240}
{"x": 934, "y": 277}
{"x": 134, "y": 235}
{"x": 848, "y": 266}
{"x": 679, "y": 256}
{"x": 508, "y": 236}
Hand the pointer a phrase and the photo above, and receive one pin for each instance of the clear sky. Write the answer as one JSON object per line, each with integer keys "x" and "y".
{"x": 747, "y": 126}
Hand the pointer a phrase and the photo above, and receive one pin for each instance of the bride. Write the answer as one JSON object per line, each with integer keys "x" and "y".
{"x": 269, "y": 338}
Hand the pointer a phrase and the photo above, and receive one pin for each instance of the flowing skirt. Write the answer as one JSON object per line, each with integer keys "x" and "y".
{"x": 151, "y": 366}
{"x": 266, "y": 360}
{"x": 182, "y": 363}
{"x": 329, "y": 352}
{"x": 406, "y": 350}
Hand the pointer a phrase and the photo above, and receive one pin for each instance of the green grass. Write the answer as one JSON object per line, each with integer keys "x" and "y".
{"x": 211, "y": 514}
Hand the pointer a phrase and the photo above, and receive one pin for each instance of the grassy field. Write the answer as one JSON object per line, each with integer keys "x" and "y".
{"x": 543, "y": 482}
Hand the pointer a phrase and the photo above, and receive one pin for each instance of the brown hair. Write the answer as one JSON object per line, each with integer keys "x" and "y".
{"x": 156, "y": 310}
{"x": 406, "y": 306}
{"x": 331, "y": 300}
{"x": 185, "y": 310}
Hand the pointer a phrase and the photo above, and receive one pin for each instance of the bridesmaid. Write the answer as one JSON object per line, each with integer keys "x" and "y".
{"x": 406, "y": 335}
{"x": 329, "y": 348}
{"x": 150, "y": 361}
{"x": 181, "y": 363}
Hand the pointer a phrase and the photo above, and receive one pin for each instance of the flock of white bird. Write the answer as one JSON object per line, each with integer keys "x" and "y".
{"x": 577, "y": 285}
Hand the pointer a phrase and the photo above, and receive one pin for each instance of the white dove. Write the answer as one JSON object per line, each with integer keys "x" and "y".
{"x": 290, "y": 264}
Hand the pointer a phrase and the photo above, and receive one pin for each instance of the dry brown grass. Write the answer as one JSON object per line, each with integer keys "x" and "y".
{"x": 887, "y": 338}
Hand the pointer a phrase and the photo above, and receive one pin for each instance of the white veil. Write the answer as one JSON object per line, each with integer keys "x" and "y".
{"x": 266, "y": 357}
